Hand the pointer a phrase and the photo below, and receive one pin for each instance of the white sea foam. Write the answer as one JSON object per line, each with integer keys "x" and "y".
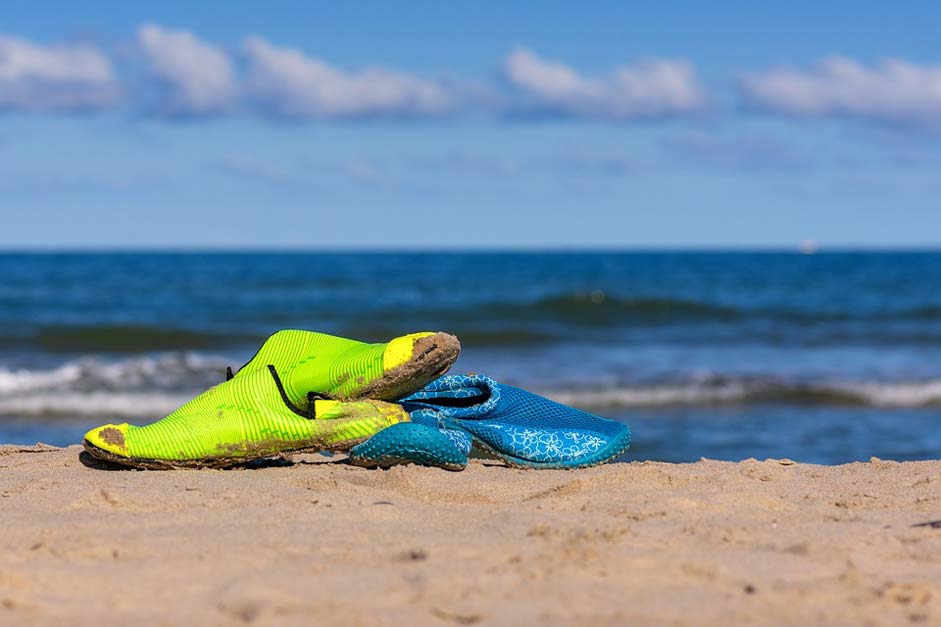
{"x": 141, "y": 386}
{"x": 900, "y": 394}
{"x": 105, "y": 404}
{"x": 640, "y": 396}
{"x": 922, "y": 393}
{"x": 15, "y": 381}
{"x": 156, "y": 371}
{"x": 149, "y": 387}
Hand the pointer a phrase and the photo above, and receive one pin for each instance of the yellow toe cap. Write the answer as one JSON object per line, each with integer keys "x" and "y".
{"x": 111, "y": 438}
{"x": 399, "y": 351}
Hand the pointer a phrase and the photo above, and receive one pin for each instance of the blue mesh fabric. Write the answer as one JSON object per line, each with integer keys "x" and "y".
{"x": 512, "y": 421}
{"x": 461, "y": 439}
{"x": 481, "y": 393}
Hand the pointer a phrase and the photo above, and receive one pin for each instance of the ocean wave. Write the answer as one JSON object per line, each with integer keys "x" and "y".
{"x": 152, "y": 386}
{"x": 158, "y": 371}
{"x": 147, "y": 386}
{"x": 886, "y": 394}
{"x": 600, "y": 307}
{"x": 130, "y": 406}
{"x": 121, "y": 338}
{"x": 508, "y": 321}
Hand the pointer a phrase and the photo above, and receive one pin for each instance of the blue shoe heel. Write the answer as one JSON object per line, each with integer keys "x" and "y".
{"x": 411, "y": 443}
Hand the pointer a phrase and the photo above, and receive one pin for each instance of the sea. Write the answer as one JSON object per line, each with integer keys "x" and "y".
{"x": 825, "y": 358}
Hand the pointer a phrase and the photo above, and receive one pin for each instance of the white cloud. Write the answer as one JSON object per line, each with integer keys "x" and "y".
{"x": 893, "y": 91}
{"x": 648, "y": 89}
{"x": 199, "y": 77}
{"x": 54, "y": 78}
{"x": 285, "y": 82}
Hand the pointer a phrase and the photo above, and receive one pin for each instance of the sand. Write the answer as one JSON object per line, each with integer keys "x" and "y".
{"x": 317, "y": 542}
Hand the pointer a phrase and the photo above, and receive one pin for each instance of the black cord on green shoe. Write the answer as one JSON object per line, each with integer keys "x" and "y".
{"x": 346, "y": 369}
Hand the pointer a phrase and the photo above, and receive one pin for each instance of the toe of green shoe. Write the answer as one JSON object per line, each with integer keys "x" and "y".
{"x": 109, "y": 438}
{"x": 410, "y": 348}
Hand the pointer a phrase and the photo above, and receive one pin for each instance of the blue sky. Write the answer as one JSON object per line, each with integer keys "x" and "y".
{"x": 438, "y": 125}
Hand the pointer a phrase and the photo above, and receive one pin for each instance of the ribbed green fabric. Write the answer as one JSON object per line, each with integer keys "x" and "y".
{"x": 247, "y": 417}
{"x": 316, "y": 362}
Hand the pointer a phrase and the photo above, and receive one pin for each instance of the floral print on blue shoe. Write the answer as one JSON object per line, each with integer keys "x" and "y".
{"x": 519, "y": 427}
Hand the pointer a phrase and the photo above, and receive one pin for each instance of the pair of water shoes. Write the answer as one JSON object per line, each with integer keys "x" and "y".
{"x": 384, "y": 403}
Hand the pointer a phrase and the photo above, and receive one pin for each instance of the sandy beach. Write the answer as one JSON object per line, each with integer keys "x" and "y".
{"x": 708, "y": 543}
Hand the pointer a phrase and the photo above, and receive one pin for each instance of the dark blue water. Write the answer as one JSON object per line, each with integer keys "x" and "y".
{"x": 824, "y": 358}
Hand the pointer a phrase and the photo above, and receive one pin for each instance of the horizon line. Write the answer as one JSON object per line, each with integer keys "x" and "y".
{"x": 798, "y": 249}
